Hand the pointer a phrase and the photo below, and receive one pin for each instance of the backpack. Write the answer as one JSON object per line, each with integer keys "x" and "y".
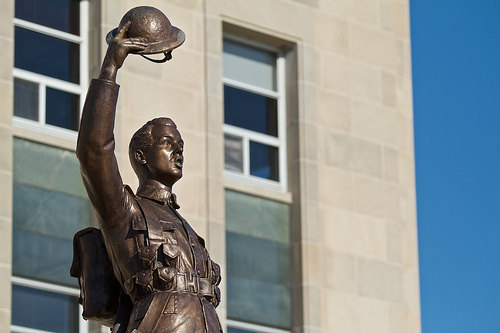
{"x": 99, "y": 289}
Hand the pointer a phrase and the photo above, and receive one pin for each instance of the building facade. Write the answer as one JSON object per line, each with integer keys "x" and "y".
{"x": 299, "y": 164}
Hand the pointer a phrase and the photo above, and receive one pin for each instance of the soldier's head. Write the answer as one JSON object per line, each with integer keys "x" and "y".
{"x": 155, "y": 152}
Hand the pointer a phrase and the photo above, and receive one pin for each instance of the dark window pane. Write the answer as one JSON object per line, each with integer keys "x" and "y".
{"x": 25, "y": 99}
{"x": 264, "y": 161}
{"x": 62, "y": 109}
{"x": 251, "y": 111}
{"x": 47, "y": 55}
{"x": 233, "y": 153}
{"x": 58, "y": 14}
{"x": 44, "y": 310}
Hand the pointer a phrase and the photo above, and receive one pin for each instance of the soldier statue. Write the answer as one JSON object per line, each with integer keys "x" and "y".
{"x": 167, "y": 280}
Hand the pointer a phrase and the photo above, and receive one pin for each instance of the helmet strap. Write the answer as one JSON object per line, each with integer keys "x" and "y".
{"x": 168, "y": 56}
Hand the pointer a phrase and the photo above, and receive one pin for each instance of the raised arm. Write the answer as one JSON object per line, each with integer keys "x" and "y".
{"x": 96, "y": 144}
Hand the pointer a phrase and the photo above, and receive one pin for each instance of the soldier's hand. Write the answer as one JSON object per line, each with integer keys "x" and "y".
{"x": 120, "y": 47}
{"x": 118, "y": 50}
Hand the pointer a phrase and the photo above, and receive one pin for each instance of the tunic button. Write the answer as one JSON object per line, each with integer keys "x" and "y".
{"x": 192, "y": 244}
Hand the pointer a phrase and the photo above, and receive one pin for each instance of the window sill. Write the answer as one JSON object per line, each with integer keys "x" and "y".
{"x": 49, "y": 135}
{"x": 249, "y": 187}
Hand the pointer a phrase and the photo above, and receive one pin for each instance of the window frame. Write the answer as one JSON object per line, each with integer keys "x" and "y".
{"x": 44, "y": 81}
{"x": 247, "y": 135}
{"x": 83, "y": 326}
{"x": 253, "y": 327}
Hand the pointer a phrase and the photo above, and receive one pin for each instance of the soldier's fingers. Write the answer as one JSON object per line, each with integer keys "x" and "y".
{"x": 122, "y": 30}
{"x": 132, "y": 43}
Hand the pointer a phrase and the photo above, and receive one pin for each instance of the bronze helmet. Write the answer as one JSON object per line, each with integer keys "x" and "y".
{"x": 152, "y": 25}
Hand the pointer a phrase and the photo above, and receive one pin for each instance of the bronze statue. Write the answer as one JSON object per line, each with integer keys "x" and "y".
{"x": 168, "y": 281}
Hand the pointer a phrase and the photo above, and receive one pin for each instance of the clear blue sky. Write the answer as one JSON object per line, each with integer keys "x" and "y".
{"x": 456, "y": 78}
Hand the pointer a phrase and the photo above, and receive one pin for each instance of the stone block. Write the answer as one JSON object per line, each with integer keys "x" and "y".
{"x": 333, "y": 110}
{"x": 6, "y": 102}
{"x": 333, "y": 72}
{"x": 213, "y": 35}
{"x": 376, "y": 123}
{"x": 5, "y": 287}
{"x": 402, "y": 19}
{"x": 376, "y": 198}
{"x": 6, "y": 202}
{"x": 6, "y": 243}
{"x": 352, "y": 233}
{"x": 5, "y": 315}
{"x": 312, "y": 264}
{"x": 335, "y": 187}
{"x": 312, "y": 297}
{"x": 380, "y": 280}
{"x": 374, "y": 316}
{"x": 6, "y": 149}
{"x": 340, "y": 273}
{"x": 372, "y": 46}
{"x": 312, "y": 231}
{"x": 362, "y": 11}
{"x": 389, "y": 89}
{"x": 390, "y": 164}
{"x": 6, "y": 26}
{"x": 365, "y": 82}
{"x": 214, "y": 76}
{"x": 352, "y": 154}
{"x": 7, "y": 47}
{"x": 397, "y": 318}
{"x": 331, "y": 33}
{"x": 405, "y": 128}
{"x": 387, "y": 14}
{"x": 394, "y": 242}
{"x": 341, "y": 312}
{"x": 191, "y": 204}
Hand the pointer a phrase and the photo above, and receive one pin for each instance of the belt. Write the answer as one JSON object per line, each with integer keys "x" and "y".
{"x": 166, "y": 279}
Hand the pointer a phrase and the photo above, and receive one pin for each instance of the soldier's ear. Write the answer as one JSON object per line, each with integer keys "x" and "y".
{"x": 139, "y": 157}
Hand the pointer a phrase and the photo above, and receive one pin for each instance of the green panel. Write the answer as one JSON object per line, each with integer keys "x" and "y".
{"x": 47, "y": 167}
{"x": 258, "y": 302}
{"x": 257, "y": 217}
{"x": 258, "y": 259}
{"x": 42, "y": 257}
{"x": 49, "y": 213}
{"x": 50, "y": 205}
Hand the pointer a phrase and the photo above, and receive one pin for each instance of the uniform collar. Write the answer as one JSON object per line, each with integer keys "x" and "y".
{"x": 154, "y": 190}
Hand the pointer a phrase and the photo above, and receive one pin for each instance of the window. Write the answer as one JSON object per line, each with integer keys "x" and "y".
{"x": 50, "y": 205}
{"x": 258, "y": 264}
{"x": 50, "y": 64}
{"x": 39, "y": 307}
{"x": 254, "y": 113}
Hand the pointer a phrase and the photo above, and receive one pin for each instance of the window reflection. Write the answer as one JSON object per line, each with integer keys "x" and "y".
{"x": 47, "y": 55}
{"x": 62, "y": 109}
{"x": 44, "y": 310}
{"x": 58, "y": 14}
{"x": 250, "y": 111}
{"x": 26, "y": 99}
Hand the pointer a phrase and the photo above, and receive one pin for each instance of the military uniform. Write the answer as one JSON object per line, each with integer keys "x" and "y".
{"x": 158, "y": 259}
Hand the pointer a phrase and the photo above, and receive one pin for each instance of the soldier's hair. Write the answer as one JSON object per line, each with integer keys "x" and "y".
{"x": 143, "y": 140}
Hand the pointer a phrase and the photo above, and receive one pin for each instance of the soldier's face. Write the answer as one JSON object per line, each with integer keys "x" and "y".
{"x": 164, "y": 159}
